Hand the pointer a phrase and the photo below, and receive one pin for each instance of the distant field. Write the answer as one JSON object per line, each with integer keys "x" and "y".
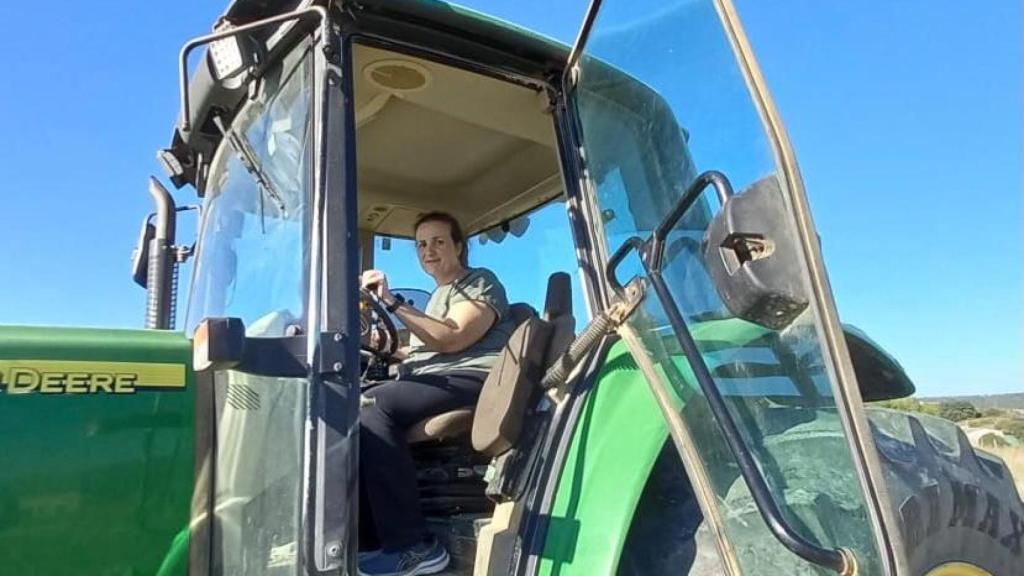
{"x": 1001, "y": 401}
{"x": 1004, "y": 423}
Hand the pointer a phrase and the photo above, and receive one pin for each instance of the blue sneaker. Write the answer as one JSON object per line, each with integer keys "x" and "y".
{"x": 367, "y": 554}
{"x": 427, "y": 558}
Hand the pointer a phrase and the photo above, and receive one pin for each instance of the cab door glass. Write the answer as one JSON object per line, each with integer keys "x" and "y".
{"x": 660, "y": 98}
{"x": 251, "y": 264}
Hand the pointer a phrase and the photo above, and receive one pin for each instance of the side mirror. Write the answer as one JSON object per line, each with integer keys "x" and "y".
{"x": 752, "y": 256}
{"x": 140, "y": 254}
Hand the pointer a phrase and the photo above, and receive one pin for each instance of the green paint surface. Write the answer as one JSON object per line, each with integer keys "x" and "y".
{"x": 618, "y": 438}
{"x": 622, "y": 430}
{"x": 95, "y": 484}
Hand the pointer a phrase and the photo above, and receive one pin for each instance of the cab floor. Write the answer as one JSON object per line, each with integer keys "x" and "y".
{"x": 458, "y": 533}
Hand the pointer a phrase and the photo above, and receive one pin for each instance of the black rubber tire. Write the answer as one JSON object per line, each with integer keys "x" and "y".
{"x": 954, "y": 503}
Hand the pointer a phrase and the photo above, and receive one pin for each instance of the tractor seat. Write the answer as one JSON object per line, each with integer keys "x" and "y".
{"x": 458, "y": 422}
{"x": 441, "y": 427}
{"x": 525, "y": 349}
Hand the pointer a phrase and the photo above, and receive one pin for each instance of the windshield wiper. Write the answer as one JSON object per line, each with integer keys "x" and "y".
{"x": 247, "y": 155}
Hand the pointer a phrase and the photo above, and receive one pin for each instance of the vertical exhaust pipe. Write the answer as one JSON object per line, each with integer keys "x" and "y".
{"x": 160, "y": 275}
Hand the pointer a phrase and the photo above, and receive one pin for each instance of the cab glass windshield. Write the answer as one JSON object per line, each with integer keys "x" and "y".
{"x": 252, "y": 257}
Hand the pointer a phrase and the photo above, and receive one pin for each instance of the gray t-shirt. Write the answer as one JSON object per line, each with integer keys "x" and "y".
{"x": 481, "y": 285}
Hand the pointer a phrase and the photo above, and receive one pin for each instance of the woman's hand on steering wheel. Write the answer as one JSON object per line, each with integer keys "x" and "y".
{"x": 376, "y": 281}
{"x": 374, "y": 319}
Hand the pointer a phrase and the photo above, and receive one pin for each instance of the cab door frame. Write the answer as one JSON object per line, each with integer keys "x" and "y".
{"x": 849, "y": 403}
{"x": 851, "y": 406}
{"x": 332, "y": 340}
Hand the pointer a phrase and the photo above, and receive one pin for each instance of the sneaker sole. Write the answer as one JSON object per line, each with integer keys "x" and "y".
{"x": 432, "y": 567}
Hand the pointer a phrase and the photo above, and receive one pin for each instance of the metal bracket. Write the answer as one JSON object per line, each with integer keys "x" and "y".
{"x": 332, "y": 353}
{"x": 312, "y": 11}
{"x": 626, "y": 302}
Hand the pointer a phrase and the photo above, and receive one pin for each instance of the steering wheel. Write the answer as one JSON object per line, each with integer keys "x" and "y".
{"x": 374, "y": 316}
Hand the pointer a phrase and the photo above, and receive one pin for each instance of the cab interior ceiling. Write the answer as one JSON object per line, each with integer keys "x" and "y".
{"x": 459, "y": 33}
{"x": 430, "y": 136}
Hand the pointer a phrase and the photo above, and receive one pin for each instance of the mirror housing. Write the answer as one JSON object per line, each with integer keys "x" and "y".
{"x": 753, "y": 257}
{"x": 516, "y": 226}
{"x": 140, "y": 254}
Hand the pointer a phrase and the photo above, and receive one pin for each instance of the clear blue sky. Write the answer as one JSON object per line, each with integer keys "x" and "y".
{"x": 906, "y": 119}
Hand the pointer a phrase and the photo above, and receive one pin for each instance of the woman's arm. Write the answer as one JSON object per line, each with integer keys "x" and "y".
{"x": 467, "y": 322}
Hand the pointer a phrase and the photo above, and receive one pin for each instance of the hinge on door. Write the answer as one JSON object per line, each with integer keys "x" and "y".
{"x": 623, "y": 304}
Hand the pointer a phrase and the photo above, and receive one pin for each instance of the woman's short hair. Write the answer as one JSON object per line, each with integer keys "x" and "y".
{"x": 458, "y": 236}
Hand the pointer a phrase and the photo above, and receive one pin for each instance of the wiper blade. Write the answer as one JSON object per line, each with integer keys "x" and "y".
{"x": 247, "y": 155}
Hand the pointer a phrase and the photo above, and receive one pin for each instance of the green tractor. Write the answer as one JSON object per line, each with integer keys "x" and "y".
{"x": 679, "y": 398}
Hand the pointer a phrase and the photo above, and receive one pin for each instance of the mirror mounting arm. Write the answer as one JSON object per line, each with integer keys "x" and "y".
{"x": 318, "y": 12}
{"x": 651, "y": 252}
{"x": 570, "y": 76}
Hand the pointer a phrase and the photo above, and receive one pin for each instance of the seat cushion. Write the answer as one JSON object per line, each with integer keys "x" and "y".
{"x": 458, "y": 422}
{"x": 441, "y": 426}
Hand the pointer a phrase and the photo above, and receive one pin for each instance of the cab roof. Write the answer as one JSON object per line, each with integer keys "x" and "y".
{"x": 497, "y": 45}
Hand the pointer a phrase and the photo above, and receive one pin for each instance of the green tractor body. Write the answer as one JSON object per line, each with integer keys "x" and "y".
{"x": 98, "y": 430}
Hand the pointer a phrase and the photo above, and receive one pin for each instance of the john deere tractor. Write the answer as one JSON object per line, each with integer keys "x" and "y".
{"x": 679, "y": 397}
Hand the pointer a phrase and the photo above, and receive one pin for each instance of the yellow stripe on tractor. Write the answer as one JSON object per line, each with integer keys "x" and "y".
{"x": 88, "y": 377}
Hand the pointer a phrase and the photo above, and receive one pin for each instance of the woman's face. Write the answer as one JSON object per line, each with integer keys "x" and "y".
{"x": 438, "y": 253}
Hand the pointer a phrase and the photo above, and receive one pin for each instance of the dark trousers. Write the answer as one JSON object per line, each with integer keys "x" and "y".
{"x": 390, "y": 516}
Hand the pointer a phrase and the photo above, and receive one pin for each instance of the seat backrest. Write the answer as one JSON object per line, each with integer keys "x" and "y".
{"x": 457, "y": 422}
{"x": 558, "y": 312}
{"x": 512, "y": 383}
{"x": 509, "y": 387}
{"x": 521, "y": 312}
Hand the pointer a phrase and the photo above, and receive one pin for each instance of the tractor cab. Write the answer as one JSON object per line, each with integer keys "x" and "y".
{"x": 678, "y": 396}
{"x": 590, "y": 186}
